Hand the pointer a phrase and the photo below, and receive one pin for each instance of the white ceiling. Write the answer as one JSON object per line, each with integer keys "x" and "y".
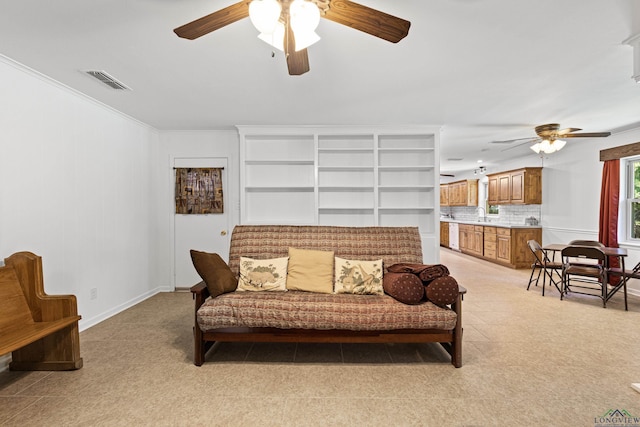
{"x": 482, "y": 69}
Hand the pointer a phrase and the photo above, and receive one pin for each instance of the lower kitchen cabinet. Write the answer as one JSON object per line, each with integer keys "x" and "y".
{"x": 505, "y": 246}
{"x": 471, "y": 239}
{"x": 490, "y": 243}
{"x": 444, "y": 234}
{"x": 511, "y": 246}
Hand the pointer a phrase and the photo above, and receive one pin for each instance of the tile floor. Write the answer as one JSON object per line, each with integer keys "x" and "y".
{"x": 528, "y": 361}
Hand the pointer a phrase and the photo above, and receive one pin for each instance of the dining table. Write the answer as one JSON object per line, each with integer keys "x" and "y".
{"x": 610, "y": 252}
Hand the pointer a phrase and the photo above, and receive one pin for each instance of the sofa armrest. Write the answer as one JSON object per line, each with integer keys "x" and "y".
{"x": 200, "y": 293}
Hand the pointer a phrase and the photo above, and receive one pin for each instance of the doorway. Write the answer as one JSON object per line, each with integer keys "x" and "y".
{"x": 207, "y": 233}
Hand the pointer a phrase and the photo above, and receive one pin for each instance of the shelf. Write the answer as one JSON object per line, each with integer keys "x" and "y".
{"x": 345, "y": 208}
{"x": 406, "y": 150}
{"x": 406, "y": 187}
{"x": 342, "y": 176}
{"x": 405, "y": 208}
{"x": 406, "y": 168}
{"x": 344, "y": 188}
{"x": 345, "y": 150}
{"x": 265, "y": 189}
{"x": 279, "y": 162}
{"x": 346, "y": 168}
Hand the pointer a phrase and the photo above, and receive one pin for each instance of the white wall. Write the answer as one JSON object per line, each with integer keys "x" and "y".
{"x": 74, "y": 189}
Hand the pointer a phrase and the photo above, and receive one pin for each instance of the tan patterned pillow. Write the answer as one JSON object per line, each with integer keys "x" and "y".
{"x": 310, "y": 271}
{"x": 263, "y": 274}
{"x": 358, "y": 277}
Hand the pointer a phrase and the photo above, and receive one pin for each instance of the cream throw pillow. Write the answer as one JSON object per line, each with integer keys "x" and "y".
{"x": 263, "y": 274}
{"x": 358, "y": 277}
{"x": 310, "y": 271}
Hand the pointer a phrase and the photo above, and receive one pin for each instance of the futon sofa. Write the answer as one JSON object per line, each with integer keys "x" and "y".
{"x": 300, "y": 316}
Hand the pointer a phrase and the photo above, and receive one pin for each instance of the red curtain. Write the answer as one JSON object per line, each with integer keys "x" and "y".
{"x": 609, "y": 200}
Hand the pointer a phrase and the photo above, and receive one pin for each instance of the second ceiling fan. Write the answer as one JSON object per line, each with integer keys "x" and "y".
{"x": 549, "y": 138}
{"x": 288, "y": 21}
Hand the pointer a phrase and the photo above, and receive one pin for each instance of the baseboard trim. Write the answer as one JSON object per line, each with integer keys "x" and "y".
{"x": 87, "y": 323}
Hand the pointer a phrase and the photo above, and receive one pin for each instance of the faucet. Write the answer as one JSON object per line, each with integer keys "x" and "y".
{"x": 482, "y": 218}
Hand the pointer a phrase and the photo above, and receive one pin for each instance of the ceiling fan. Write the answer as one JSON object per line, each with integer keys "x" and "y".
{"x": 549, "y": 138}
{"x": 345, "y": 12}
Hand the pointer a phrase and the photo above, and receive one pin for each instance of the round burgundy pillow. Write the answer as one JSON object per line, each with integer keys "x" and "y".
{"x": 405, "y": 287}
{"x": 442, "y": 291}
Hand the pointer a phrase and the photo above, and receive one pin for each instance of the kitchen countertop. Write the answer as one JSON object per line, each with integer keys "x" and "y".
{"x": 490, "y": 223}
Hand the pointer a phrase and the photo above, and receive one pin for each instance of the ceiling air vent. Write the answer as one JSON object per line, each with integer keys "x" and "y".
{"x": 107, "y": 79}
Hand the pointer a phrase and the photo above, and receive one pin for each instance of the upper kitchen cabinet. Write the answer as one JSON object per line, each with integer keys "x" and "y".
{"x": 516, "y": 187}
{"x": 459, "y": 193}
{"x": 444, "y": 194}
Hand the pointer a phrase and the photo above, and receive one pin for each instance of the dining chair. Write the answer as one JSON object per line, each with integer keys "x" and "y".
{"x": 543, "y": 265}
{"x": 584, "y": 272}
{"x": 593, "y": 243}
{"x": 614, "y": 286}
{"x": 624, "y": 275}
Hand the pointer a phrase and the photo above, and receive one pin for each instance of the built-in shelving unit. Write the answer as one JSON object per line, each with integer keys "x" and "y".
{"x": 339, "y": 175}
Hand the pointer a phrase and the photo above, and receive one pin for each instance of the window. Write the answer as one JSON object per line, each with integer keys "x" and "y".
{"x": 632, "y": 210}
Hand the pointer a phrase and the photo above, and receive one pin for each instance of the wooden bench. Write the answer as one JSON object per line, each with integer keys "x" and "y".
{"x": 40, "y": 330}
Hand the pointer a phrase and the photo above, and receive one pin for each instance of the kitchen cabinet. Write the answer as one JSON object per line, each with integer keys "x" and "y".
{"x": 503, "y": 245}
{"x": 471, "y": 239}
{"x": 459, "y": 193}
{"x": 444, "y": 194}
{"x": 516, "y": 187}
{"x": 504, "y": 189}
{"x": 492, "y": 197}
{"x": 444, "y": 234}
{"x": 489, "y": 250}
{"x": 511, "y": 246}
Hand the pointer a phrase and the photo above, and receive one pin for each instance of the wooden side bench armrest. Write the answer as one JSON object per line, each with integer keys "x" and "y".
{"x": 39, "y": 330}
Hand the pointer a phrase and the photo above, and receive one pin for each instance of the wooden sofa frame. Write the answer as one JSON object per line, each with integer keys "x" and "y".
{"x": 451, "y": 340}
{"x": 39, "y": 330}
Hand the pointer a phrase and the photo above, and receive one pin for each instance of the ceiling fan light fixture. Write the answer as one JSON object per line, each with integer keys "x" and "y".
{"x": 264, "y": 15}
{"x": 548, "y": 146}
{"x": 305, "y": 15}
{"x": 305, "y": 39}
{"x": 305, "y": 18}
{"x": 559, "y": 143}
{"x": 275, "y": 38}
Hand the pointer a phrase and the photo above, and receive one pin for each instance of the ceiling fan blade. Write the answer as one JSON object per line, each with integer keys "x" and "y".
{"x": 214, "y": 21}
{"x": 368, "y": 20}
{"x": 528, "y": 141}
{"x": 586, "y": 135}
{"x": 568, "y": 130}
{"x": 511, "y": 141}
{"x": 297, "y": 62}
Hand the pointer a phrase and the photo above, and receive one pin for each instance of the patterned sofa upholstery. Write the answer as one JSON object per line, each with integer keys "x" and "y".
{"x": 311, "y": 317}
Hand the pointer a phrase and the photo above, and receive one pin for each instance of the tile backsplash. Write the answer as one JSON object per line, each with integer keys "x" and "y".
{"x": 508, "y": 214}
